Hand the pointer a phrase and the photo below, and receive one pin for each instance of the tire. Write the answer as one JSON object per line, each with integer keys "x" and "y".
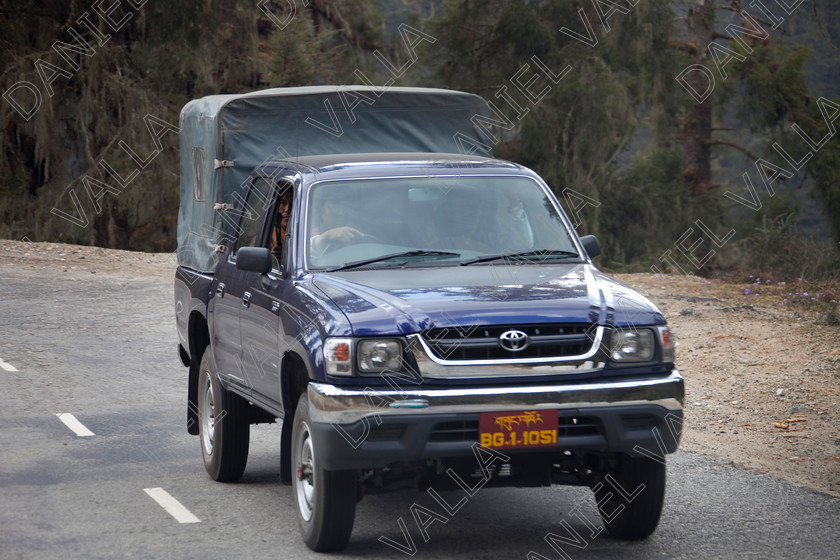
{"x": 325, "y": 500}
{"x": 224, "y": 425}
{"x": 640, "y": 514}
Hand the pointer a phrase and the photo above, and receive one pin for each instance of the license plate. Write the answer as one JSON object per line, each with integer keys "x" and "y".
{"x": 518, "y": 429}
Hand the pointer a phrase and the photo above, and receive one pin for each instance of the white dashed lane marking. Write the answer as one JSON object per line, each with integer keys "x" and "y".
{"x": 70, "y": 421}
{"x": 172, "y": 506}
{"x": 7, "y": 366}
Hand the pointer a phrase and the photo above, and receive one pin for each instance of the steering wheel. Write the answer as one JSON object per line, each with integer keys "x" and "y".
{"x": 335, "y": 245}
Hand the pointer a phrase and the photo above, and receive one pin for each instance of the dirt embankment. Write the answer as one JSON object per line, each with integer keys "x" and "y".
{"x": 763, "y": 379}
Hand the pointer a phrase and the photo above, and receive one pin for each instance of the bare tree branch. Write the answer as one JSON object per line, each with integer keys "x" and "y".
{"x": 690, "y": 48}
{"x": 331, "y": 14}
{"x": 716, "y": 142}
{"x": 823, "y": 30}
{"x": 758, "y": 19}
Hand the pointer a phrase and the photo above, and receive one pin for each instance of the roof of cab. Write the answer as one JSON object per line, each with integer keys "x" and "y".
{"x": 339, "y": 166}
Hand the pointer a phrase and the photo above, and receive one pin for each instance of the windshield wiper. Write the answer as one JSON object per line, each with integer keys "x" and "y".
{"x": 541, "y": 253}
{"x": 416, "y": 253}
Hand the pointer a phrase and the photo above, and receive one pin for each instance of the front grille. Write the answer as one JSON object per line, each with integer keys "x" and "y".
{"x": 572, "y": 426}
{"x": 639, "y": 421}
{"x": 482, "y": 342}
{"x": 466, "y": 430}
{"x": 386, "y": 433}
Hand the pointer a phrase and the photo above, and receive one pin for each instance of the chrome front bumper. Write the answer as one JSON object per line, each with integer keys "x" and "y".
{"x": 363, "y": 429}
{"x": 336, "y": 405}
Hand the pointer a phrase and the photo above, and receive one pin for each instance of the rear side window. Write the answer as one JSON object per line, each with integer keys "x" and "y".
{"x": 198, "y": 173}
{"x": 249, "y": 226}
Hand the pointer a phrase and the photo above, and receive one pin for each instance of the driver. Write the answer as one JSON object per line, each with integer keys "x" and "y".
{"x": 336, "y": 236}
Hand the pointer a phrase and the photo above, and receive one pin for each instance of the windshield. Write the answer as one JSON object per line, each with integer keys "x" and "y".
{"x": 434, "y": 220}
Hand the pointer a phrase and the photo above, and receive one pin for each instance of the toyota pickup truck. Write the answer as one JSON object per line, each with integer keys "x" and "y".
{"x": 410, "y": 318}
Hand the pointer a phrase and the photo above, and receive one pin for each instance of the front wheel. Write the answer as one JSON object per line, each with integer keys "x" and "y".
{"x": 630, "y": 499}
{"x": 224, "y": 426}
{"x": 326, "y": 500}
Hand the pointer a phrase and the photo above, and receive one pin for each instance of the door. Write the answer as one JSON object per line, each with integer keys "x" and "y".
{"x": 262, "y": 306}
{"x": 226, "y": 296}
{"x": 230, "y": 291}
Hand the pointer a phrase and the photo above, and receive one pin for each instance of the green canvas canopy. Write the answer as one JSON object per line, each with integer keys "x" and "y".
{"x": 223, "y": 138}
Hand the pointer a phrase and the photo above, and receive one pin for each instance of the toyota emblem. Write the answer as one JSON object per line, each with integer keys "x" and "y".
{"x": 513, "y": 340}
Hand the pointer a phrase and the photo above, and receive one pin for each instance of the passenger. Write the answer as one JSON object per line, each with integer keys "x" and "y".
{"x": 281, "y": 221}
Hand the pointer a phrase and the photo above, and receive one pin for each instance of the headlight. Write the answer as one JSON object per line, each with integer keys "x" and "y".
{"x": 338, "y": 356}
{"x": 379, "y": 355}
{"x": 632, "y": 345}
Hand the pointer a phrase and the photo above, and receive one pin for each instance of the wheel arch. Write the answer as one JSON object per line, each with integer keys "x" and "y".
{"x": 294, "y": 378}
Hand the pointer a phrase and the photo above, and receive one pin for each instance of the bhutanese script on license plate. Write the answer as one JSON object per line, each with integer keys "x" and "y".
{"x": 518, "y": 429}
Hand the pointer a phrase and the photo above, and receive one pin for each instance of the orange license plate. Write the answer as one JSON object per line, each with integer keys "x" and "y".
{"x": 518, "y": 429}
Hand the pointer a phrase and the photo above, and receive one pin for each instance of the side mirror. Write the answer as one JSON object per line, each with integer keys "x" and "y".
{"x": 254, "y": 259}
{"x": 591, "y": 245}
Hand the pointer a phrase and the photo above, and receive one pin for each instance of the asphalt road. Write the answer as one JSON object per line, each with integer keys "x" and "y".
{"x": 103, "y": 349}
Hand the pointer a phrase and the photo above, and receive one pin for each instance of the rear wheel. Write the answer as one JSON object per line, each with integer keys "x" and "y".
{"x": 224, "y": 426}
{"x": 629, "y": 510}
{"x": 325, "y": 500}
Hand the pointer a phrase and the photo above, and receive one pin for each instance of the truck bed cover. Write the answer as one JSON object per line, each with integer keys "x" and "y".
{"x": 223, "y": 138}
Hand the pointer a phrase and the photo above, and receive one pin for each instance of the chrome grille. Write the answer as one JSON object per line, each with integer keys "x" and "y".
{"x": 482, "y": 342}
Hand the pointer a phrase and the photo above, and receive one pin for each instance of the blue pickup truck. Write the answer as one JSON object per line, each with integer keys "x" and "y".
{"x": 410, "y": 318}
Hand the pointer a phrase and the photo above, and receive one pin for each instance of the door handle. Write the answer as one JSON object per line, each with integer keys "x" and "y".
{"x": 220, "y": 290}
{"x": 246, "y": 299}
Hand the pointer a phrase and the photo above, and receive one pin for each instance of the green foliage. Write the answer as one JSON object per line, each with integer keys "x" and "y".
{"x": 607, "y": 131}
{"x": 575, "y": 135}
{"x": 777, "y": 249}
{"x": 298, "y": 57}
{"x": 165, "y": 55}
{"x": 773, "y": 82}
{"x": 825, "y": 170}
{"x": 646, "y": 209}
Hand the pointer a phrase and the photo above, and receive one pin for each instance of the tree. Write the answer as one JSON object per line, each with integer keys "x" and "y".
{"x": 614, "y": 100}
{"x": 743, "y": 75}
{"x": 82, "y": 87}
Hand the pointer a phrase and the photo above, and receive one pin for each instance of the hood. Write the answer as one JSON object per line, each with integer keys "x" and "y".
{"x": 411, "y": 300}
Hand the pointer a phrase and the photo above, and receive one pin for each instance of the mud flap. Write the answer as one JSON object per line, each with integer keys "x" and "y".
{"x": 192, "y": 399}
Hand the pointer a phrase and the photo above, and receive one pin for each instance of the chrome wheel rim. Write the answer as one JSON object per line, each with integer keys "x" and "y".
{"x": 208, "y": 415}
{"x": 305, "y": 474}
